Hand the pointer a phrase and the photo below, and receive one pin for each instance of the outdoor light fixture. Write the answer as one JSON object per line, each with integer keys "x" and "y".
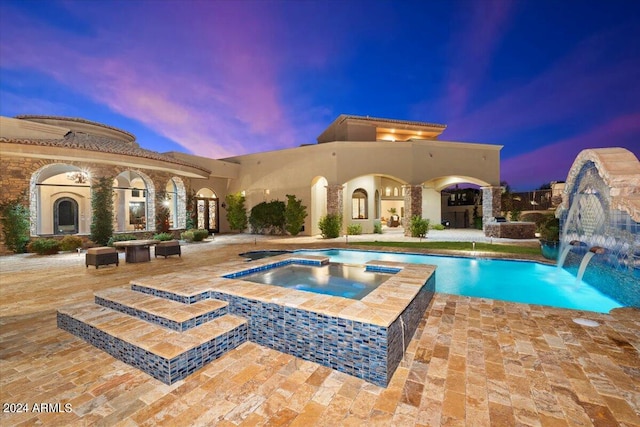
{"x": 77, "y": 177}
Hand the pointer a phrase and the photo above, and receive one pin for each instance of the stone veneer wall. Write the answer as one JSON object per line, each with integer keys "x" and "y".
{"x": 511, "y": 230}
{"x": 18, "y": 176}
{"x": 412, "y": 205}
{"x": 491, "y": 205}
{"x": 334, "y": 199}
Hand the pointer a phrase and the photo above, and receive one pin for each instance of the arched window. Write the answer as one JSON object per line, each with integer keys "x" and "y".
{"x": 359, "y": 204}
{"x": 65, "y": 216}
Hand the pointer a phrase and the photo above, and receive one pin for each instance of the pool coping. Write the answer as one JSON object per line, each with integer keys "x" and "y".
{"x": 381, "y": 307}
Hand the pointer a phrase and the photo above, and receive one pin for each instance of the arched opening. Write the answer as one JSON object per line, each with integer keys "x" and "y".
{"x": 455, "y": 201}
{"x": 65, "y": 216}
{"x": 133, "y": 207}
{"x": 207, "y": 206}
{"x": 60, "y": 189}
{"x": 359, "y": 204}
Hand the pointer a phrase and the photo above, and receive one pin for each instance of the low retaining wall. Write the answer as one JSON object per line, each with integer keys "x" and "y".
{"x": 511, "y": 230}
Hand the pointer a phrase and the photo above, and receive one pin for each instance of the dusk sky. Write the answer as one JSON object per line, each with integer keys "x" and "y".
{"x": 544, "y": 78}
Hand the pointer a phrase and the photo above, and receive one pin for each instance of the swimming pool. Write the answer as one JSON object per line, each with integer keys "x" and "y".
{"x": 507, "y": 280}
{"x": 348, "y": 281}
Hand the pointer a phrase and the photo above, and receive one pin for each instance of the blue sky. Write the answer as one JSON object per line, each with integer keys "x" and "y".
{"x": 544, "y": 78}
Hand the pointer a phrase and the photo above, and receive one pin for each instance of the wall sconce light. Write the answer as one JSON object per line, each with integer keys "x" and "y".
{"x": 223, "y": 205}
{"x": 78, "y": 177}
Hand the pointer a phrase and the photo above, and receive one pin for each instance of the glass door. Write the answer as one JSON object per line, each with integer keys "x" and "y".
{"x": 207, "y": 209}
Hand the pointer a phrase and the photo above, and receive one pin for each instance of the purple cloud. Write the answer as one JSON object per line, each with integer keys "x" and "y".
{"x": 228, "y": 104}
{"x": 553, "y": 161}
{"x": 582, "y": 80}
{"x": 473, "y": 51}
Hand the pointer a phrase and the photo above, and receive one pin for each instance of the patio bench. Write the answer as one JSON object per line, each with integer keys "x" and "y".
{"x": 167, "y": 248}
{"x": 103, "y": 255}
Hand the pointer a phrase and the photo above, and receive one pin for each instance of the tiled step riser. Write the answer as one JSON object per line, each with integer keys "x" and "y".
{"x": 166, "y": 370}
{"x": 170, "y": 295}
{"x": 159, "y": 320}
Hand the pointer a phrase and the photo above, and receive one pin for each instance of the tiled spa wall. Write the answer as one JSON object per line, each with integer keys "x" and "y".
{"x": 592, "y": 220}
{"x": 360, "y": 349}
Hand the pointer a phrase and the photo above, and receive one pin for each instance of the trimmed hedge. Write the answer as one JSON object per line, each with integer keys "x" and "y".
{"x": 44, "y": 246}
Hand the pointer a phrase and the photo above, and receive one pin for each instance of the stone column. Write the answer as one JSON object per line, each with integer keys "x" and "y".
{"x": 334, "y": 199}
{"x": 491, "y": 205}
{"x": 412, "y": 205}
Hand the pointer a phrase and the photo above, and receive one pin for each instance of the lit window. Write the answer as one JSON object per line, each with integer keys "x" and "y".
{"x": 359, "y": 204}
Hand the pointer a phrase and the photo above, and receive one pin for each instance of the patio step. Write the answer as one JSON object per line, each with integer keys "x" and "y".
{"x": 165, "y": 354}
{"x": 174, "y": 288}
{"x": 168, "y": 313}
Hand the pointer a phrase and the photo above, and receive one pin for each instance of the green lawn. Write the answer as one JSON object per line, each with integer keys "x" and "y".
{"x": 457, "y": 246}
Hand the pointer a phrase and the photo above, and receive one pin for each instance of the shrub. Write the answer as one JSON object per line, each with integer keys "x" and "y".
{"x": 515, "y": 214}
{"x": 196, "y": 235}
{"x": 330, "y": 226}
{"x": 43, "y": 246}
{"x": 538, "y": 217}
{"x": 354, "y": 229}
{"x": 15, "y": 225}
{"x": 199, "y": 235}
{"x": 102, "y": 211}
{"x": 294, "y": 215}
{"x": 550, "y": 229}
{"x": 163, "y": 236}
{"x": 70, "y": 243}
{"x": 437, "y": 227}
{"x": 377, "y": 227}
{"x": 268, "y": 218}
{"x": 236, "y": 212}
{"x": 419, "y": 227}
{"x": 120, "y": 238}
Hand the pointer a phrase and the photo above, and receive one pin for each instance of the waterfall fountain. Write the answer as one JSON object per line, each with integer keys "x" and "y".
{"x": 566, "y": 250}
{"x": 585, "y": 261}
{"x": 601, "y": 210}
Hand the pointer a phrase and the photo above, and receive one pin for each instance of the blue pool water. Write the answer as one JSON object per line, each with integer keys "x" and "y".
{"x": 348, "y": 281}
{"x": 517, "y": 281}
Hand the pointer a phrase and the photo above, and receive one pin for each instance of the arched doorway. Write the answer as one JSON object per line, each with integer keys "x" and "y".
{"x": 207, "y": 210}
{"x": 65, "y": 216}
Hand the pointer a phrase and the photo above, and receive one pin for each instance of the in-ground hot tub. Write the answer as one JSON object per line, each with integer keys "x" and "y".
{"x": 341, "y": 280}
{"x": 365, "y": 338}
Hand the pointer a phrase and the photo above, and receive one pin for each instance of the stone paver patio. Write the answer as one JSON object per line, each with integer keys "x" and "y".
{"x": 474, "y": 362}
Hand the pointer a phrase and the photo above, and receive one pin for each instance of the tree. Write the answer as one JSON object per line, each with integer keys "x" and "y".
{"x": 15, "y": 224}
{"x": 236, "y": 212}
{"x": 294, "y": 215}
{"x": 102, "y": 211}
{"x": 192, "y": 210}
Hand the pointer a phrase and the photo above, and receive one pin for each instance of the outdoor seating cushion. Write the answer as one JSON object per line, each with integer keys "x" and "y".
{"x": 169, "y": 243}
{"x": 101, "y": 250}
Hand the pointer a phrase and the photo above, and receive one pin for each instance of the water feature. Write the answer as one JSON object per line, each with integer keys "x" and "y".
{"x": 585, "y": 261}
{"x": 601, "y": 210}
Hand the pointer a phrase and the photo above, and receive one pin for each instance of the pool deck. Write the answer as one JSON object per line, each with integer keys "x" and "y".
{"x": 472, "y": 361}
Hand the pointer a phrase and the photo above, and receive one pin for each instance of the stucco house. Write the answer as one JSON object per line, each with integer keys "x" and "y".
{"x": 360, "y": 167}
